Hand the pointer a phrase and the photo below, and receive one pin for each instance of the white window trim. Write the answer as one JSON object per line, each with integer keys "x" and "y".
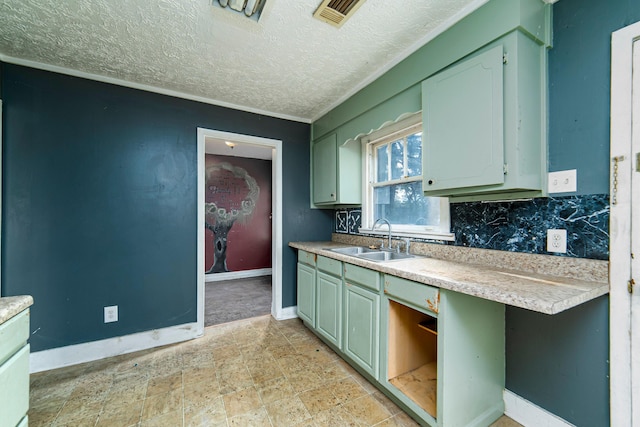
{"x": 422, "y": 232}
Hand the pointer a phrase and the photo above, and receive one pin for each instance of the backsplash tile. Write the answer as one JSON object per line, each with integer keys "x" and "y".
{"x": 355, "y": 220}
{"x": 342, "y": 222}
{"x": 521, "y": 226}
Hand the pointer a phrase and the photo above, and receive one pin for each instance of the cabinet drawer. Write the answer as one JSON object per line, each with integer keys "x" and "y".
{"x": 330, "y": 266}
{"x": 307, "y": 257}
{"x": 14, "y": 388}
{"x": 363, "y": 276}
{"x": 417, "y": 294}
{"x": 13, "y": 334}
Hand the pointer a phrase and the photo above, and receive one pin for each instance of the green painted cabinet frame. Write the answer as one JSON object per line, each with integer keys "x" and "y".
{"x": 470, "y": 360}
{"x": 325, "y": 170}
{"x": 329, "y": 307}
{"x": 353, "y": 318}
{"x": 361, "y": 321}
{"x": 484, "y": 127}
{"x": 463, "y": 118}
{"x": 14, "y": 370}
{"x": 306, "y": 298}
{"x": 336, "y": 172}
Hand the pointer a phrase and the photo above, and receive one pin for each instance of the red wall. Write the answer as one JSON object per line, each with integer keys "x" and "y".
{"x": 249, "y": 242}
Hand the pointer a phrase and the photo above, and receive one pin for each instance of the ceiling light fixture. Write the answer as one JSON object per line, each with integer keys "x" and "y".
{"x": 250, "y": 8}
{"x": 230, "y": 144}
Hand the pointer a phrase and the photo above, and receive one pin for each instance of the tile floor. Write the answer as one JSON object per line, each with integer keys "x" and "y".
{"x": 255, "y": 372}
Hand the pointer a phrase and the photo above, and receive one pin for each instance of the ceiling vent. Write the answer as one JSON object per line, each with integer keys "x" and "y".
{"x": 336, "y": 12}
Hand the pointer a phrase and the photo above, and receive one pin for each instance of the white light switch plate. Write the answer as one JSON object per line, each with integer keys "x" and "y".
{"x": 557, "y": 241}
{"x": 111, "y": 314}
{"x": 563, "y": 181}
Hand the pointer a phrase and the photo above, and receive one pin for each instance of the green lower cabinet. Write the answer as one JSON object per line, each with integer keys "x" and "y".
{"x": 438, "y": 354}
{"x": 14, "y": 370}
{"x": 361, "y": 318}
{"x": 329, "y": 308}
{"x": 306, "y": 298}
{"x": 446, "y": 367}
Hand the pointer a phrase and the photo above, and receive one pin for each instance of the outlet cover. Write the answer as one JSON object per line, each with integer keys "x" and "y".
{"x": 111, "y": 314}
{"x": 557, "y": 241}
{"x": 563, "y": 181}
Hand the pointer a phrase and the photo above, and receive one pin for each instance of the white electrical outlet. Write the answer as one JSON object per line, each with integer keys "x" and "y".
{"x": 111, "y": 314}
{"x": 557, "y": 241}
{"x": 563, "y": 181}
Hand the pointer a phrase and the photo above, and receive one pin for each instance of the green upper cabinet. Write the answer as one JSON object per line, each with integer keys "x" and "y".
{"x": 486, "y": 138}
{"x": 462, "y": 122}
{"x": 336, "y": 172}
{"x": 483, "y": 123}
{"x": 325, "y": 167}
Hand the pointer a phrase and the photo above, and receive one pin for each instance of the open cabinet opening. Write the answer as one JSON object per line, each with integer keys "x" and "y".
{"x": 413, "y": 355}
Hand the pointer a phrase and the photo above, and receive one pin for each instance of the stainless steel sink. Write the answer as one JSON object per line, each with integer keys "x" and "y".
{"x": 354, "y": 250}
{"x": 385, "y": 256}
{"x": 376, "y": 255}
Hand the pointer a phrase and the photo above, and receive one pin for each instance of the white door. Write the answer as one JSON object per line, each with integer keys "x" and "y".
{"x": 624, "y": 272}
{"x": 635, "y": 237}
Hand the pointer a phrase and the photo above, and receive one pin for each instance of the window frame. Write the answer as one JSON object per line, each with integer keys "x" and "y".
{"x": 401, "y": 128}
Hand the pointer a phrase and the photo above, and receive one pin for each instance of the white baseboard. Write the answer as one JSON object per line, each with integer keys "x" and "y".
{"x": 95, "y": 350}
{"x": 529, "y": 414}
{"x": 286, "y": 313}
{"x": 216, "y": 277}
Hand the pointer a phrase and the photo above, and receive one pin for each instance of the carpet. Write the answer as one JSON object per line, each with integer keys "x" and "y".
{"x": 237, "y": 299}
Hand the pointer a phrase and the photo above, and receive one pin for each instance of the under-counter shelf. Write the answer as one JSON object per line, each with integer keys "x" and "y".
{"x": 413, "y": 356}
{"x": 420, "y": 385}
{"x": 430, "y": 326}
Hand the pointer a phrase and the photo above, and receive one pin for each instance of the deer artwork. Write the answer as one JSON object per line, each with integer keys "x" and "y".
{"x": 222, "y": 214}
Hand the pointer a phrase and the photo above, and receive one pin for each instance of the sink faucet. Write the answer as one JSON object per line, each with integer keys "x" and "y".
{"x": 388, "y": 224}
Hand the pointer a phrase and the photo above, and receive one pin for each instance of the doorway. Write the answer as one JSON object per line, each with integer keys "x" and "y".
{"x": 243, "y": 144}
{"x": 624, "y": 264}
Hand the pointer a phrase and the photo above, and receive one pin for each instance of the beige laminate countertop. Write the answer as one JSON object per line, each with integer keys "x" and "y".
{"x": 10, "y": 306}
{"x": 496, "y": 281}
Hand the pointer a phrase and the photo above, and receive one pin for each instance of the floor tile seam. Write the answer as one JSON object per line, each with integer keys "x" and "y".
{"x": 301, "y": 401}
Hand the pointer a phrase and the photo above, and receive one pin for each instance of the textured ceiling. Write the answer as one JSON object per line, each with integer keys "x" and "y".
{"x": 287, "y": 65}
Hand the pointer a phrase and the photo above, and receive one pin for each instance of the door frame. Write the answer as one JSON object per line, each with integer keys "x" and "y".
{"x": 620, "y": 356}
{"x": 276, "y": 209}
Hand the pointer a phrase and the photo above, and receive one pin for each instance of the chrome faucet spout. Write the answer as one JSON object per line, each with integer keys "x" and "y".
{"x": 386, "y": 221}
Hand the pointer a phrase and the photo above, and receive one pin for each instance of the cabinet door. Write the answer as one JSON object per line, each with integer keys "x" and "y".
{"x": 329, "y": 308}
{"x": 463, "y": 136}
{"x": 14, "y": 388}
{"x": 361, "y": 327}
{"x": 307, "y": 294}
{"x": 325, "y": 164}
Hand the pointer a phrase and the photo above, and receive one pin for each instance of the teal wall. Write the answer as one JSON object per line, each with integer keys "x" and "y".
{"x": 579, "y": 87}
{"x": 99, "y": 202}
{"x": 562, "y": 362}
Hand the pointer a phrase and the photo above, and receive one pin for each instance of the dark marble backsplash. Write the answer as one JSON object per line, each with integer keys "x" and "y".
{"x": 521, "y": 226}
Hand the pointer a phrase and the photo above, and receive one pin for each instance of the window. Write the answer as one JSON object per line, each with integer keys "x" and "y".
{"x": 393, "y": 180}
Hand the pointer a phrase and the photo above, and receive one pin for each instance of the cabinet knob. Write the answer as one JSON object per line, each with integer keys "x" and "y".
{"x": 333, "y": 196}
{"x": 430, "y": 182}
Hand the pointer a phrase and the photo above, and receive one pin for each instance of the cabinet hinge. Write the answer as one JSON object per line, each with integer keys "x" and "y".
{"x": 630, "y": 285}
{"x": 505, "y": 58}
{"x": 505, "y": 168}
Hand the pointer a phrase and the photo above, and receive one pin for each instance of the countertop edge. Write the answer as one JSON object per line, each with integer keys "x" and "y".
{"x": 10, "y": 306}
{"x": 551, "y": 304}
